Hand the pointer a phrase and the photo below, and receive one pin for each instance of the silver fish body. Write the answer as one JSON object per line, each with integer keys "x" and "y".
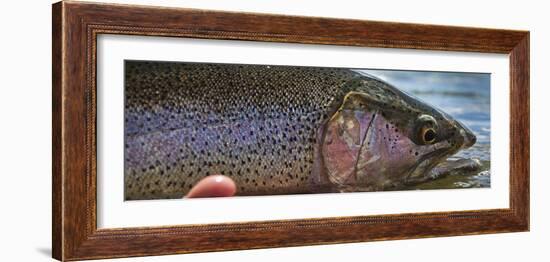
{"x": 275, "y": 130}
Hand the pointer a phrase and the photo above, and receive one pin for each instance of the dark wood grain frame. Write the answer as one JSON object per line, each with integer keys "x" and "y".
{"x": 76, "y": 26}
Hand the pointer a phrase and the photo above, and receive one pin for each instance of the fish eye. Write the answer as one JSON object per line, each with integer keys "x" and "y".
{"x": 428, "y": 135}
{"x": 426, "y": 130}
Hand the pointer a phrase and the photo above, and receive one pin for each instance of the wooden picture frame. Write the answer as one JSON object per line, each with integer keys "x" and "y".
{"x": 76, "y": 26}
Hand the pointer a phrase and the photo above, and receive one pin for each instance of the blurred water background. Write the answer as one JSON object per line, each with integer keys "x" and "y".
{"x": 464, "y": 96}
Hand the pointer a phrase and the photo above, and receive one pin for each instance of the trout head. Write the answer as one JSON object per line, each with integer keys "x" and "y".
{"x": 381, "y": 138}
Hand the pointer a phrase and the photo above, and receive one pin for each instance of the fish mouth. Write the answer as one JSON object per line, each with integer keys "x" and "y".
{"x": 426, "y": 163}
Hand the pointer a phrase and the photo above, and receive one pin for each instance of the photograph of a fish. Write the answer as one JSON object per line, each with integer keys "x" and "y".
{"x": 281, "y": 130}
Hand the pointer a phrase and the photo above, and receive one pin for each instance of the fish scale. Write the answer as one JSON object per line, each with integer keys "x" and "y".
{"x": 256, "y": 124}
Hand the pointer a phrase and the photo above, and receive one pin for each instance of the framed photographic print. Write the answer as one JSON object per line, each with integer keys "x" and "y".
{"x": 182, "y": 130}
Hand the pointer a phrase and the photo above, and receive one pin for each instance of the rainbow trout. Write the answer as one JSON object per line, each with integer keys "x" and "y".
{"x": 276, "y": 130}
